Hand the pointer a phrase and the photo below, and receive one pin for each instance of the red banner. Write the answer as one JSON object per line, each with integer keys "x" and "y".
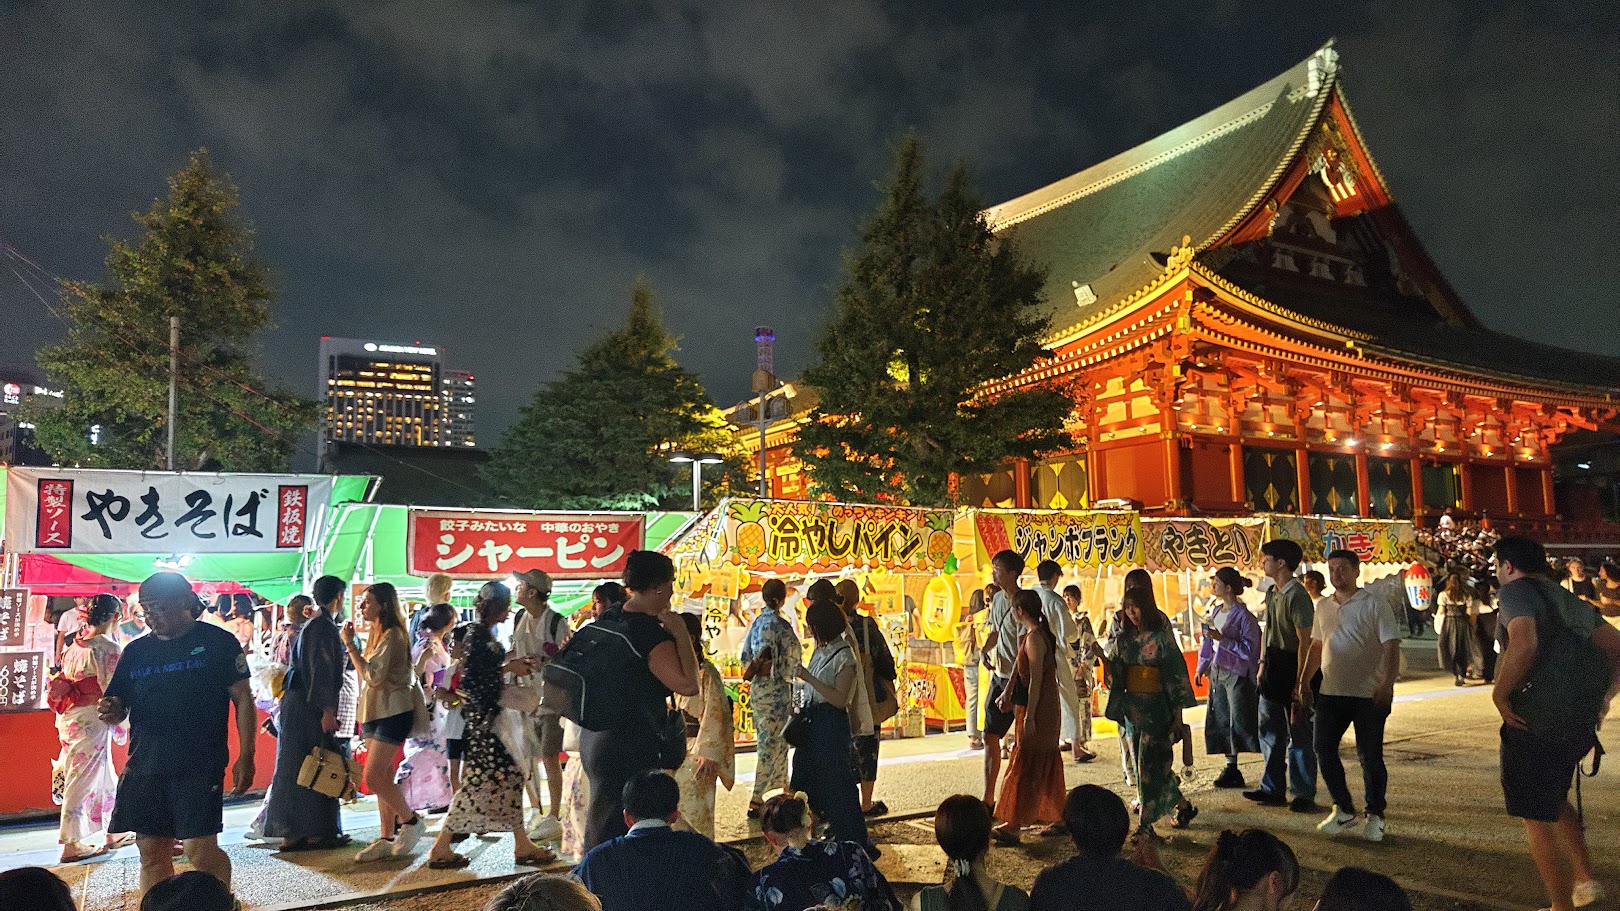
{"x": 494, "y": 545}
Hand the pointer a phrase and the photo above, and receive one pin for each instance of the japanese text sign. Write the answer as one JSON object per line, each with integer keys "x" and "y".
{"x": 797, "y": 536}
{"x": 1082, "y": 539}
{"x": 1373, "y": 540}
{"x": 22, "y": 681}
{"x": 1174, "y": 545}
{"x": 13, "y": 616}
{"x": 494, "y": 545}
{"x": 79, "y": 511}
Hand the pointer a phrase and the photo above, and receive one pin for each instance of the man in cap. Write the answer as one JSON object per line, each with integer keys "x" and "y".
{"x": 176, "y": 685}
{"x": 540, "y": 633}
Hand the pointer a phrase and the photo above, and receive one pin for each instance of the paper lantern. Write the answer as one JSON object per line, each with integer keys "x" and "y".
{"x": 1419, "y": 586}
{"x": 942, "y": 605}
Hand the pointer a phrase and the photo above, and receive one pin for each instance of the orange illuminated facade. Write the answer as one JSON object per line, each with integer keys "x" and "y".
{"x": 1251, "y": 325}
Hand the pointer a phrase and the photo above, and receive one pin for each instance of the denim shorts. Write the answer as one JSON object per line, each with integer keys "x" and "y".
{"x": 394, "y": 729}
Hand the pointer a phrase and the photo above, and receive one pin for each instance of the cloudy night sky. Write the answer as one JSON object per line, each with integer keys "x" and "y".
{"x": 492, "y": 177}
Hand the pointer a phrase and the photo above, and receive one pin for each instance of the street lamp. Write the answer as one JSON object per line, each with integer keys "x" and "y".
{"x": 698, "y": 460}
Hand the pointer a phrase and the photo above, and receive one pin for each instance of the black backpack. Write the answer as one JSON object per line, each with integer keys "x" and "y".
{"x": 592, "y": 680}
{"x": 1562, "y": 695}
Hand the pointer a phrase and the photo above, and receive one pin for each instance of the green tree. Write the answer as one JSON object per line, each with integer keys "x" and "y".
{"x": 193, "y": 259}
{"x": 933, "y": 307}
{"x": 598, "y": 437}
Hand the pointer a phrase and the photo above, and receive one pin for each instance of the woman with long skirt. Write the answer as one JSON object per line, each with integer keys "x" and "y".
{"x": 1459, "y": 608}
{"x": 86, "y": 766}
{"x": 771, "y": 655}
{"x": 1033, "y": 791}
{"x": 1148, "y": 689}
{"x": 303, "y": 817}
{"x": 821, "y": 767}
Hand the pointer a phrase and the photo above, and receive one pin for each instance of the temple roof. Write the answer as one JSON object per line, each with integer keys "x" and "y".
{"x": 1104, "y": 226}
{"x": 1105, "y": 233}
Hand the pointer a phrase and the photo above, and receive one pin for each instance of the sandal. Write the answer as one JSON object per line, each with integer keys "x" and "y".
{"x": 1185, "y": 814}
{"x": 122, "y": 841}
{"x": 754, "y": 808}
{"x": 540, "y": 858}
{"x": 80, "y": 858}
{"x": 878, "y": 808}
{"x": 1004, "y": 838}
{"x": 453, "y": 862}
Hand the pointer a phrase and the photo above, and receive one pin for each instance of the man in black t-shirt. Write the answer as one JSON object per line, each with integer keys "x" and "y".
{"x": 176, "y": 686}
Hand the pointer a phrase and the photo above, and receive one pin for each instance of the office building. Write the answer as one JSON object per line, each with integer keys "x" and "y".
{"x": 21, "y": 386}
{"x": 460, "y": 400}
{"x": 381, "y": 393}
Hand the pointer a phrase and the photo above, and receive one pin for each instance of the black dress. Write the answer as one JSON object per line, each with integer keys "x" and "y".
{"x": 314, "y": 680}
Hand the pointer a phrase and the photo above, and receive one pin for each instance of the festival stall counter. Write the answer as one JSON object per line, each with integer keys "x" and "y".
{"x": 66, "y": 529}
{"x": 893, "y": 553}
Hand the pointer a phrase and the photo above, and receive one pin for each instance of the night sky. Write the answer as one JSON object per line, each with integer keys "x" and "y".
{"x": 492, "y": 177}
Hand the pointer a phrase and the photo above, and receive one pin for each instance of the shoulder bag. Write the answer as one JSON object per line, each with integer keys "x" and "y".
{"x": 1562, "y": 695}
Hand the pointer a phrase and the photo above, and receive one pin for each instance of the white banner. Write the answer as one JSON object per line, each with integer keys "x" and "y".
{"x": 86, "y": 511}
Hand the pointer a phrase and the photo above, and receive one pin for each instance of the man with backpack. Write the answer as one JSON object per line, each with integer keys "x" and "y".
{"x": 1554, "y": 683}
{"x": 540, "y": 633}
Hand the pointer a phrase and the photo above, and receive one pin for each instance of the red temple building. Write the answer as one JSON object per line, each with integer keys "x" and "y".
{"x": 1249, "y": 324}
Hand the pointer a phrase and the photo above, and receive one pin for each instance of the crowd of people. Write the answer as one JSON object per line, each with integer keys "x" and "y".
{"x": 473, "y": 725}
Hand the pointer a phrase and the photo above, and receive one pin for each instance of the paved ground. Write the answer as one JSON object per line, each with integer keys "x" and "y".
{"x": 1449, "y": 842}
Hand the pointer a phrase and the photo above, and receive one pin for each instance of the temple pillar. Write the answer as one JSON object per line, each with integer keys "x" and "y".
{"x": 1094, "y": 485}
{"x": 1549, "y": 503}
{"x": 1172, "y": 470}
{"x": 1021, "y": 497}
{"x": 1234, "y": 460}
{"x": 1302, "y": 478}
{"x": 1417, "y": 486}
{"x": 1363, "y": 489}
{"x": 1512, "y": 490}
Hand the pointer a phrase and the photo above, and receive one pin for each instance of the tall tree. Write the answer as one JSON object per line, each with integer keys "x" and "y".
{"x": 599, "y": 436}
{"x": 193, "y": 259}
{"x": 933, "y": 307}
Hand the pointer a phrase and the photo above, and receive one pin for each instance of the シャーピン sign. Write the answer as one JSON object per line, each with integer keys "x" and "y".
{"x": 494, "y": 545}
{"x": 75, "y": 511}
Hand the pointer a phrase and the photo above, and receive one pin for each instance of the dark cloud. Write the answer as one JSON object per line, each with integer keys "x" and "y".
{"x": 493, "y": 176}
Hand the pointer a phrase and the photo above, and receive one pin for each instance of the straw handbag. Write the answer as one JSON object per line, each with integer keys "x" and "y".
{"x": 328, "y": 772}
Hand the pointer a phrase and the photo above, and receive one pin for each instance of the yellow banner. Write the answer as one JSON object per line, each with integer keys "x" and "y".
{"x": 1083, "y": 539}
{"x": 782, "y": 537}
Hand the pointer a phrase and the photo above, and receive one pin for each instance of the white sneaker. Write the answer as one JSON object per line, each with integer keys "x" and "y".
{"x": 547, "y": 829}
{"x": 1336, "y": 822}
{"x": 1375, "y": 828}
{"x": 377, "y": 850}
{"x": 408, "y": 835}
{"x": 1587, "y": 892}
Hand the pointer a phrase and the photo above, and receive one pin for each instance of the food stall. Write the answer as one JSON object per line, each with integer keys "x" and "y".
{"x": 894, "y": 553}
{"x": 67, "y": 530}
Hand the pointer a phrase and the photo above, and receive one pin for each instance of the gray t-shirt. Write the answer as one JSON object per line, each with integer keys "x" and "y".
{"x": 1007, "y": 632}
{"x": 1519, "y": 599}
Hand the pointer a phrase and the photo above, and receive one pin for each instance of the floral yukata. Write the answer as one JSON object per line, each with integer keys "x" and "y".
{"x": 822, "y": 874}
{"x": 771, "y": 696}
{"x": 424, "y": 774}
{"x": 1146, "y": 719}
{"x": 85, "y": 765}
{"x": 491, "y": 795}
{"x": 714, "y": 742}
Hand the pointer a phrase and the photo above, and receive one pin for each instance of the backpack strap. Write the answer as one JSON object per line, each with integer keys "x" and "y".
{"x": 556, "y": 621}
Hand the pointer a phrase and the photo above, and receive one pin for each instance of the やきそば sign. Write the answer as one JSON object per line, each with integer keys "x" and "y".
{"x": 494, "y": 545}
{"x": 80, "y": 511}
{"x": 13, "y": 616}
{"x": 22, "y": 681}
{"x": 1088, "y": 539}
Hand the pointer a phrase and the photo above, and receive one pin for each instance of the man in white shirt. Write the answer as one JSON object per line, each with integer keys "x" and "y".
{"x": 1356, "y": 641}
{"x": 539, "y": 633}
{"x": 1061, "y": 623}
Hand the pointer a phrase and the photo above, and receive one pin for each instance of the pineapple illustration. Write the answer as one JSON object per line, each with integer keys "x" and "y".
{"x": 939, "y": 539}
{"x": 750, "y": 536}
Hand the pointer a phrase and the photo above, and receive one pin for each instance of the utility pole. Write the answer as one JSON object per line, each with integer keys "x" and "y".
{"x": 174, "y": 382}
{"x": 764, "y": 380}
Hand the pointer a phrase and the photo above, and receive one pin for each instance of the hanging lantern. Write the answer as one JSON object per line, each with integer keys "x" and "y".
{"x": 1419, "y": 586}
